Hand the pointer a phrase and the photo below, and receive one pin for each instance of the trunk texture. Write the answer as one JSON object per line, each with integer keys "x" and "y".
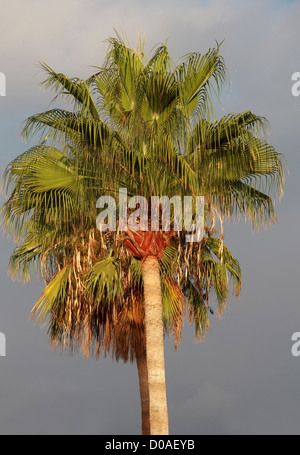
{"x": 141, "y": 361}
{"x": 154, "y": 328}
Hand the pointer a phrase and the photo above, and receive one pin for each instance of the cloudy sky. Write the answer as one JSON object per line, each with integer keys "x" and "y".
{"x": 243, "y": 379}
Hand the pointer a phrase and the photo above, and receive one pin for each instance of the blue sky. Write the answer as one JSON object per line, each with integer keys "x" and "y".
{"x": 243, "y": 378}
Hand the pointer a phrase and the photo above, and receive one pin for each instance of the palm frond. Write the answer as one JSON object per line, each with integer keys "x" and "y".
{"x": 103, "y": 281}
{"x": 75, "y": 88}
{"x": 195, "y": 77}
{"x": 53, "y": 296}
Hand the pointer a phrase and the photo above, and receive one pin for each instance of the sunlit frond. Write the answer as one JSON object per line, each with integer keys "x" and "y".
{"x": 76, "y": 89}
{"x": 54, "y": 295}
{"x": 103, "y": 281}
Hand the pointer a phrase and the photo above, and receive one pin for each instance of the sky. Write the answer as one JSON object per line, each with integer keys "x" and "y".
{"x": 243, "y": 379}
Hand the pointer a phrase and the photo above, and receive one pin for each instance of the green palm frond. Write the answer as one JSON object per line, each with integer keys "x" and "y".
{"x": 74, "y": 128}
{"x": 160, "y": 61}
{"x": 53, "y": 296}
{"x": 173, "y": 301}
{"x": 168, "y": 263}
{"x": 45, "y": 186}
{"x": 228, "y": 261}
{"x": 157, "y": 109}
{"x": 198, "y": 309}
{"x": 167, "y": 153}
{"x": 76, "y": 89}
{"x": 195, "y": 77}
{"x": 240, "y": 198}
{"x": 136, "y": 270}
{"x": 236, "y": 167}
{"x": 103, "y": 281}
{"x": 212, "y": 136}
{"x": 29, "y": 257}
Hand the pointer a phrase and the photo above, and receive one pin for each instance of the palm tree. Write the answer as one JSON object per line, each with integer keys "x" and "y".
{"x": 145, "y": 126}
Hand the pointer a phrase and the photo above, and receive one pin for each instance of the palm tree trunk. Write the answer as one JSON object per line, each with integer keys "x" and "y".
{"x": 154, "y": 328}
{"x": 141, "y": 361}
